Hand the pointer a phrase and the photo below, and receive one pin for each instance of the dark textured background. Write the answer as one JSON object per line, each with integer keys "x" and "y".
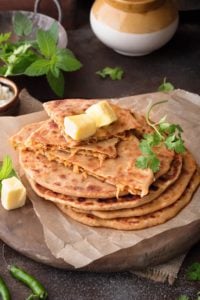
{"x": 179, "y": 61}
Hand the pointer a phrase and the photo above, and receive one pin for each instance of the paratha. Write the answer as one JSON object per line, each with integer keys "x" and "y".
{"x": 45, "y": 136}
{"x": 136, "y": 223}
{"x": 121, "y": 171}
{"x": 59, "y": 109}
{"x": 167, "y": 198}
{"x": 61, "y": 179}
{"x": 18, "y": 139}
{"x": 129, "y": 201}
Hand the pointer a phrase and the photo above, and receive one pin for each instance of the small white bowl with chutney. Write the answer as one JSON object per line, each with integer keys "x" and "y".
{"x": 8, "y": 95}
{"x": 134, "y": 27}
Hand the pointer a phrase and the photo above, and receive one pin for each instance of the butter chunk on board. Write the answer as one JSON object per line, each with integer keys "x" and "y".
{"x": 13, "y": 193}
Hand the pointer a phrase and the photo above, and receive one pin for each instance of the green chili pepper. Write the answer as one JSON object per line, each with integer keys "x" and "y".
{"x": 4, "y": 291}
{"x": 39, "y": 291}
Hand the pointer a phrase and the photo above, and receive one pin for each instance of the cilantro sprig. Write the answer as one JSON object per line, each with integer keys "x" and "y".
{"x": 166, "y": 86}
{"x": 6, "y": 169}
{"x": 41, "y": 56}
{"x": 164, "y": 133}
{"x": 114, "y": 73}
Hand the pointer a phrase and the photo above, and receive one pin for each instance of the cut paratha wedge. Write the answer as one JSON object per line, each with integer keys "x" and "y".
{"x": 136, "y": 223}
{"x": 121, "y": 171}
{"x": 167, "y": 198}
{"x": 112, "y": 204}
{"x": 61, "y": 179}
{"x": 59, "y": 109}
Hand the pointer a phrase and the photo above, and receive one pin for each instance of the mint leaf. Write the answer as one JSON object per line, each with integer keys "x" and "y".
{"x": 193, "y": 272}
{"x": 4, "y": 37}
{"x": 183, "y": 297}
{"x": 6, "y": 169}
{"x": 67, "y": 61}
{"x": 22, "y": 25}
{"x": 46, "y": 43}
{"x": 166, "y": 86}
{"x": 114, "y": 73}
{"x": 56, "y": 83}
{"x": 38, "y": 68}
{"x": 53, "y": 31}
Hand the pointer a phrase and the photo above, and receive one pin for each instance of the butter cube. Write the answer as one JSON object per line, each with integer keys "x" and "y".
{"x": 13, "y": 193}
{"x": 102, "y": 113}
{"x": 79, "y": 127}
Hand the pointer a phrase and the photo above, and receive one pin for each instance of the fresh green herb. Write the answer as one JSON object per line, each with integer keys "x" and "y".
{"x": 22, "y": 25}
{"x": 38, "y": 290}
{"x": 166, "y": 86}
{"x": 164, "y": 133}
{"x": 193, "y": 272}
{"x": 183, "y": 297}
{"x": 38, "y": 57}
{"x": 198, "y": 296}
{"x": 6, "y": 169}
{"x": 114, "y": 73}
{"x": 4, "y": 291}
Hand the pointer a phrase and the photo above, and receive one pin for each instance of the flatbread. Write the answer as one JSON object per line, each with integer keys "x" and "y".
{"x": 170, "y": 196}
{"x": 61, "y": 179}
{"x": 45, "y": 136}
{"x": 18, "y": 139}
{"x": 112, "y": 204}
{"x": 136, "y": 223}
{"x": 121, "y": 171}
{"x": 59, "y": 109}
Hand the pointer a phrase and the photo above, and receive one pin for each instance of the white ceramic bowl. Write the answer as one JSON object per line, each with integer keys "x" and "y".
{"x": 132, "y": 44}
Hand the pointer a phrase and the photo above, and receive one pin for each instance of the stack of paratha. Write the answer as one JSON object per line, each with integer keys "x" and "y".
{"x": 95, "y": 181}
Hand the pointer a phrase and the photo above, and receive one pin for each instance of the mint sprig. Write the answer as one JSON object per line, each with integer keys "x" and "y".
{"x": 38, "y": 57}
{"x": 164, "y": 134}
{"x": 6, "y": 169}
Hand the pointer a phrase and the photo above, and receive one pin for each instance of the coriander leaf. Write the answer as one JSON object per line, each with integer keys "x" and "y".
{"x": 174, "y": 143}
{"x": 38, "y": 68}
{"x": 4, "y": 37}
{"x": 145, "y": 147}
{"x": 6, "y": 167}
{"x": 66, "y": 61}
{"x": 153, "y": 139}
{"x": 46, "y": 43}
{"x": 22, "y": 24}
{"x": 114, "y": 73}
{"x": 165, "y": 86}
{"x": 56, "y": 83}
{"x": 193, "y": 272}
{"x": 142, "y": 162}
{"x": 154, "y": 163}
{"x": 183, "y": 297}
{"x": 53, "y": 31}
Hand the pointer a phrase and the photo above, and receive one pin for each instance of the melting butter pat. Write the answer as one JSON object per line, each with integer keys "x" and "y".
{"x": 102, "y": 113}
{"x": 79, "y": 127}
{"x": 13, "y": 193}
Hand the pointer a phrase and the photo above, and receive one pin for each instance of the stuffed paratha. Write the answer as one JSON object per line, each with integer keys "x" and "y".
{"x": 129, "y": 201}
{"x": 61, "y": 179}
{"x": 136, "y": 223}
{"x": 59, "y": 109}
{"x": 167, "y": 198}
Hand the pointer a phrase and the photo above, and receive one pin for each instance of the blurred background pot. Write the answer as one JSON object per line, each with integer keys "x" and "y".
{"x": 134, "y": 27}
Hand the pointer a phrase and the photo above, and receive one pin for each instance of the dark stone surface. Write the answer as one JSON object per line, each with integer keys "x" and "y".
{"x": 179, "y": 62}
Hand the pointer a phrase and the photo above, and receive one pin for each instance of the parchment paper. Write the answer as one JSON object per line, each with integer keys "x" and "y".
{"x": 80, "y": 245}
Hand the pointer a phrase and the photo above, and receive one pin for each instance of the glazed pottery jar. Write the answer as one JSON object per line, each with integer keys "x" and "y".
{"x": 134, "y": 27}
